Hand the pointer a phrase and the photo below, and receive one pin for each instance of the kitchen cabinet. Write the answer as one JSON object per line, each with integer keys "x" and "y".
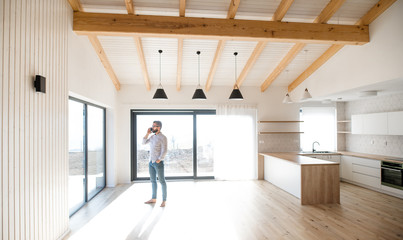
{"x": 361, "y": 170}
{"x": 346, "y": 167}
{"x": 386, "y": 123}
{"x": 395, "y": 123}
{"x": 357, "y": 124}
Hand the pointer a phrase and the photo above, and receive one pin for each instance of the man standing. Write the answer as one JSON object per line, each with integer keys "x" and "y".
{"x": 158, "y": 150}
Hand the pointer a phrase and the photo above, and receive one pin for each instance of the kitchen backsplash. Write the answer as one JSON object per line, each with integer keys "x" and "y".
{"x": 375, "y": 144}
{"x": 279, "y": 142}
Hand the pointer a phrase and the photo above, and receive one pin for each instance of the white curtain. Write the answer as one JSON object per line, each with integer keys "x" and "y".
{"x": 235, "y": 151}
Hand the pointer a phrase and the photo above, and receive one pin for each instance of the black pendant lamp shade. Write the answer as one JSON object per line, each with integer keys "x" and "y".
{"x": 160, "y": 93}
{"x": 199, "y": 94}
{"x": 236, "y": 93}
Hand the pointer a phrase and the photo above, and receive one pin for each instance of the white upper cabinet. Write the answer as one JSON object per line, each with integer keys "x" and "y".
{"x": 357, "y": 124}
{"x": 395, "y": 123}
{"x": 386, "y": 123}
{"x": 375, "y": 123}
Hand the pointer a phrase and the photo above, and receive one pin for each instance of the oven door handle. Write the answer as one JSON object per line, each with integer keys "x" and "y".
{"x": 392, "y": 169}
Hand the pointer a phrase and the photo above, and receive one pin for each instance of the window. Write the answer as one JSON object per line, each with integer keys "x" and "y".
{"x": 189, "y": 136}
{"x": 86, "y": 152}
{"x": 319, "y": 125}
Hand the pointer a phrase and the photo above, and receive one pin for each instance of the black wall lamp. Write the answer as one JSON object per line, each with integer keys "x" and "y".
{"x": 40, "y": 83}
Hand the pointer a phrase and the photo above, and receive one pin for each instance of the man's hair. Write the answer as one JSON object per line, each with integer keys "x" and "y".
{"x": 159, "y": 123}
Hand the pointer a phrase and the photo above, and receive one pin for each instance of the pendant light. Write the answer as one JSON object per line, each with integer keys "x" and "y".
{"x": 306, "y": 94}
{"x": 160, "y": 93}
{"x": 287, "y": 98}
{"x": 236, "y": 94}
{"x": 199, "y": 94}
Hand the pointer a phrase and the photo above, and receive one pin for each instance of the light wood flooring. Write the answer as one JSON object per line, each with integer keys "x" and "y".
{"x": 236, "y": 210}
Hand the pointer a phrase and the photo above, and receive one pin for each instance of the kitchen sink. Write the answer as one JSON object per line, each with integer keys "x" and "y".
{"x": 317, "y": 152}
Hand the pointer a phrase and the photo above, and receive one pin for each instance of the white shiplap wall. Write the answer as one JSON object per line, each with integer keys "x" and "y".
{"x": 33, "y": 126}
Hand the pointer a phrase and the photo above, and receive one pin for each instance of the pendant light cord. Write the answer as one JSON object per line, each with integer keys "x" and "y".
{"x": 198, "y": 53}
{"x": 236, "y": 85}
{"x": 160, "y": 51}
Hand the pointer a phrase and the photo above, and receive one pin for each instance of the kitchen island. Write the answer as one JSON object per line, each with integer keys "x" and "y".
{"x": 312, "y": 180}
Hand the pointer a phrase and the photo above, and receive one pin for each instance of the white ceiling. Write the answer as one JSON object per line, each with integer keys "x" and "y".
{"x": 123, "y": 56}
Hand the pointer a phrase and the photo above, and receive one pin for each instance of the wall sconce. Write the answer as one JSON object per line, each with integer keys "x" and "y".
{"x": 40, "y": 83}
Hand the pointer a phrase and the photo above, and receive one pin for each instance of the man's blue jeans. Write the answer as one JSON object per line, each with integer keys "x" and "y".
{"x": 154, "y": 169}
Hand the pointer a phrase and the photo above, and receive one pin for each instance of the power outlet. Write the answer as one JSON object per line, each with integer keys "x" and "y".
{"x": 386, "y": 143}
{"x": 372, "y": 141}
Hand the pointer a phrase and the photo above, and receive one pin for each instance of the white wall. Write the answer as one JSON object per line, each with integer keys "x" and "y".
{"x": 356, "y": 66}
{"x": 33, "y": 126}
{"x": 269, "y": 105}
{"x": 89, "y": 81}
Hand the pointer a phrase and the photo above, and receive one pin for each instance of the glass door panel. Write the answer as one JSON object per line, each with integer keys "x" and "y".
{"x": 205, "y": 145}
{"x": 179, "y": 132}
{"x": 76, "y": 156}
{"x": 96, "y": 150}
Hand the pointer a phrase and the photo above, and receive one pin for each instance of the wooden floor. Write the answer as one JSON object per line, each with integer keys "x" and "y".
{"x": 236, "y": 210}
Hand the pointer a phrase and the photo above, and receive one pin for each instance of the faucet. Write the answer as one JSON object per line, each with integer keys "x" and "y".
{"x": 313, "y": 146}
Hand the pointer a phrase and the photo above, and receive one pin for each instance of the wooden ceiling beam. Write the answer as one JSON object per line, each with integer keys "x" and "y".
{"x": 278, "y": 16}
{"x": 182, "y": 8}
{"x": 282, "y": 10}
{"x": 96, "y": 44}
{"x": 139, "y": 47}
{"x": 76, "y": 5}
{"x": 104, "y": 60}
{"x": 368, "y": 18}
{"x": 129, "y": 6}
{"x": 330, "y": 9}
{"x": 221, "y": 29}
{"x": 233, "y": 8}
{"x": 143, "y": 64}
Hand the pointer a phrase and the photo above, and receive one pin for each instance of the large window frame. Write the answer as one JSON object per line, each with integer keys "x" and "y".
{"x": 133, "y": 137}
{"x": 85, "y": 138}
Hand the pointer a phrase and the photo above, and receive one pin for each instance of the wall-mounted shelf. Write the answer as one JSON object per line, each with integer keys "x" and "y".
{"x": 344, "y": 121}
{"x": 343, "y": 129}
{"x": 280, "y": 121}
{"x": 280, "y": 132}
{"x": 343, "y": 132}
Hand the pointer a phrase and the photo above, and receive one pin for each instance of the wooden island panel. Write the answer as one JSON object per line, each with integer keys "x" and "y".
{"x": 320, "y": 184}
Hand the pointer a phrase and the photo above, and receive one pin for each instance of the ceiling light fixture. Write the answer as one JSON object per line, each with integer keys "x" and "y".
{"x": 306, "y": 95}
{"x": 160, "y": 93}
{"x": 199, "y": 94}
{"x": 368, "y": 93}
{"x": 236, "y": 94}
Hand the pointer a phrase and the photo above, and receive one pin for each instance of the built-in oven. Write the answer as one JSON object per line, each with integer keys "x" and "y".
{"x": 392, "y": 174}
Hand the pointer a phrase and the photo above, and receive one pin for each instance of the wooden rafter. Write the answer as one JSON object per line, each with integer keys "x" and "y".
{"x": 139, "y": 47}
{"x": 182, "y": 8}
{"x": 222, "y": 29}
{"x": 129, "y": 6}
{"x": 233, "y": 8}
{"x": 76, "y": 5}
{"x": 179, "y": 65}
{"x": 323, "y": 17}
{"x": 278, "y": 16}
{"x": 282, "y": 10}
{"x": 104, "y": 60}
{"x": 143, "y": 64}
{"x": 368, "y": 18}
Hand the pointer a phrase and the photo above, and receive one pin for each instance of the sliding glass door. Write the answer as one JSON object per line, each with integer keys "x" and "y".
{"x": 86, "y": 152}
{"x": 190, "y": 144}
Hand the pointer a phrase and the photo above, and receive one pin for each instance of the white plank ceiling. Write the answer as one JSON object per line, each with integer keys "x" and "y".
{"x": 123, "y": 56}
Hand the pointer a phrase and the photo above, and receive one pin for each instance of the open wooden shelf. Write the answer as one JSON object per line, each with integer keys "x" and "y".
{"x": 280, "y": 132}
{"x": 343, "y": 132}
{"x": 280, "y": 121}
{"x": 344, "y": 121}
